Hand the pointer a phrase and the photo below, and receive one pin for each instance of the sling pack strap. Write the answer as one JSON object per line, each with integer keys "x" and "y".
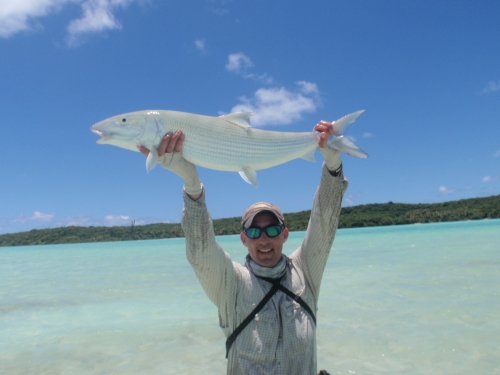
{"x": 293, "y": 296}
{"x": 276, "y": 286}
{"x": 230, "y": 340}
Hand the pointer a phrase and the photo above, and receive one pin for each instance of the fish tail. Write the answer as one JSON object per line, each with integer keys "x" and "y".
{"x": 340, "y": 126}
{"x": 341, "y": 143}
{"x": 344, "y": 144}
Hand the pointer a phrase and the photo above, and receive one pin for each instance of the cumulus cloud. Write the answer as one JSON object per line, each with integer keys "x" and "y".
{"x": 17, "y": 15}
{"x": 200, "y": 45}
{"x": 113, "y": 220}
{"x": 278, "y": 105}
{"x": 352, "y": 199}
{"x": 491, "y": 87}
{"x": 78, "y": 221}
{"x": 490, "y": 178}
{"x": 37, "y": 216}
{"x": 238, "y": 62}
{"x": 348, "y": 201}
{"x": 97, "y": 15}
{"x": 307, "y": 87}
{"x": 444, "y": 190}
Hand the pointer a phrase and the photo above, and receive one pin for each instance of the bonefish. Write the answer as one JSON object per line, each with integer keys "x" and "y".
{"x": 225, "y": 143}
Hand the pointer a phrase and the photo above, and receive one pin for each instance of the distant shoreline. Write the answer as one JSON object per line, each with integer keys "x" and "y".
{"x": 368, "y": 215}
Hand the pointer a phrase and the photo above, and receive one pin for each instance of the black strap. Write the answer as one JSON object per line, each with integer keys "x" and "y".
{"x": 276, "y": 286}
{"x": 250, "y": 317}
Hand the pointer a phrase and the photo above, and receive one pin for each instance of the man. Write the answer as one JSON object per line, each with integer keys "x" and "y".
{"x": 267, "y": 306}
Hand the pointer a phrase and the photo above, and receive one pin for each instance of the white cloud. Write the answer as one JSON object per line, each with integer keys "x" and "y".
{"x": 37, "y": 216}
{"x": 368, "y": 135}
{"x": 16, "y": 15}
{"x": 444, "y": 190}
{"x": 497, "y": 153}
{"x": 307, "y": 87}
{"x": 200, "y": 44}
{"x": 491, "y": 87}
{"x": 264, "y": 78}
{"x": 40, "y": 216}
{"x": 97, "y": 15}
{"x": 278, "y": 106}
{"x": 113, "y": 220}
{"x": 490, "y": 178}
{"x": 352, "y": 199}
{"x": 238, "y": 62}
{"x": 79, "y": 221}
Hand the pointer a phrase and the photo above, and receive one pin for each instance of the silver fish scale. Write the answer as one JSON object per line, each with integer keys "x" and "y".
{"x": 216, "y": 143}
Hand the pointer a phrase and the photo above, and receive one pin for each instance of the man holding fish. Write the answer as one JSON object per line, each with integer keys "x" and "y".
{"x": 267, "y": 306}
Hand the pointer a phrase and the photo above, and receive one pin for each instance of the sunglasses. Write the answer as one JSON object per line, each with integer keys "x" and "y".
{"x": 271, "y": 231}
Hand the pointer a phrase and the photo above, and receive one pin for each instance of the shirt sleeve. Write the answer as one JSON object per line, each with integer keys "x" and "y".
{"x": 312, "y": 255}
{"x": 211, "y": 264}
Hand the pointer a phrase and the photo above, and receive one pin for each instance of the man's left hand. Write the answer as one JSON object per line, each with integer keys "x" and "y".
{"x": 325, "y": 129}
{"x": 332, "y": 155}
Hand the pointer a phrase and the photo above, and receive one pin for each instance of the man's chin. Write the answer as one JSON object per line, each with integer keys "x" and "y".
{"x": 267, "y": 260}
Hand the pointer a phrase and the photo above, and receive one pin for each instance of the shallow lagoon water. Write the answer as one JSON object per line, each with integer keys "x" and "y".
{"x": 414, "y": 299}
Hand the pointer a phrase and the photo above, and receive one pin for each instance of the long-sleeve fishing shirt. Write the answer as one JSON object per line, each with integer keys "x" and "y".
{"x": 281, "y": 339}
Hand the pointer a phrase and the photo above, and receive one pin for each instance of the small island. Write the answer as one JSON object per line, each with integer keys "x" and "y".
{"x": 368, "y": 215}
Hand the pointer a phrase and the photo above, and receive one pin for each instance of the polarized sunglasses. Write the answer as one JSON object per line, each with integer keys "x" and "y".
{"x": 271, "y": 231}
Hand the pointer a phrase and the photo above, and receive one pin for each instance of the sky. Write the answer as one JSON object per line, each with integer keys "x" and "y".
{"x": 427, "y": 74}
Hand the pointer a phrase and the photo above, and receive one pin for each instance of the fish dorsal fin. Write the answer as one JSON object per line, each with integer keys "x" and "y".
{"x": 240, "y": 118}
{"x": 250, "y": 176}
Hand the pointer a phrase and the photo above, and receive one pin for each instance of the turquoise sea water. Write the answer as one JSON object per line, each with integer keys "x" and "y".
{"x": 416, "y": 299}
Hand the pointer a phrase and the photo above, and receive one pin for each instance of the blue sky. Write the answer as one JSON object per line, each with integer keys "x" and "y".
{"x": 427, "y": 73}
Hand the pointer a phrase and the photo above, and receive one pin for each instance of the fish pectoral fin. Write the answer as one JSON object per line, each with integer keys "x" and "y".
{"x": 309, "y": 155}
{"x": 250, "y": 176}
{"x": 152, "y": 159}
{"x": 240, "y": 118}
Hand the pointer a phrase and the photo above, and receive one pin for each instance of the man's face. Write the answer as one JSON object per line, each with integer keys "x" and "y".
{"x": 265, "y": 251}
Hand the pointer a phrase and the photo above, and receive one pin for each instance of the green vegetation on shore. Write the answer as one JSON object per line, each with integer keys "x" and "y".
{"x": 368, "y": 215}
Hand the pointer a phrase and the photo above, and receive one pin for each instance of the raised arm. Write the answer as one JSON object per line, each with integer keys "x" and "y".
{"x": 210, "y": 263}
{"x": 314, "y": 251}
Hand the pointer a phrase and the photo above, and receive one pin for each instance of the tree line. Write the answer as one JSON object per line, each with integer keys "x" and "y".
{"x": 368, "y": 215}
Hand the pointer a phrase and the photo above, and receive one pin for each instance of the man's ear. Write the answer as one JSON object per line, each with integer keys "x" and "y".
{"x": 243, "y": 239}
{"x": 285, "y": 234}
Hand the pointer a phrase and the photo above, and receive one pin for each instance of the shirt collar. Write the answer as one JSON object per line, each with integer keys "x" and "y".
{"x": 272, "y": 272}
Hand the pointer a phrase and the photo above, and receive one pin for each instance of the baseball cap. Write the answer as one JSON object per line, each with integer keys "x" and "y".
{"x": 256, "y": 208}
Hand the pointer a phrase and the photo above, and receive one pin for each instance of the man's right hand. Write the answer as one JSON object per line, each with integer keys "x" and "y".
{"x": 170, "y": 157}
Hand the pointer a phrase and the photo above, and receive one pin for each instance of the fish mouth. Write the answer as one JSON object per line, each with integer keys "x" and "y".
{"x": 102, "y": 134}
{"x": 94, "y": 130}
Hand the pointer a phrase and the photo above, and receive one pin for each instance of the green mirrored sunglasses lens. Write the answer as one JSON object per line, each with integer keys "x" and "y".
{"x": 273, "y": 231}
{"x": 253, "y": 232}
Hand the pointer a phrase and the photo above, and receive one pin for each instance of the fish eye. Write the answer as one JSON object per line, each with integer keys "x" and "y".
{"x": 123, "y": 120}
